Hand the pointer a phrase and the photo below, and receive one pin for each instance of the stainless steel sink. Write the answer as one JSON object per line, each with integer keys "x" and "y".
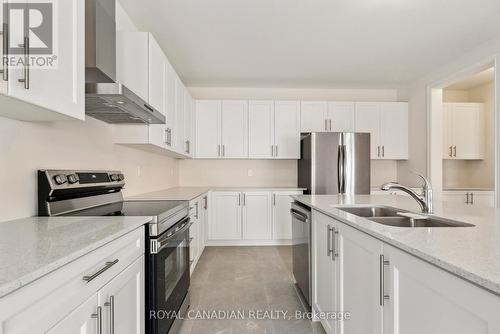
{"x": 395, "y": 217}
{"x": 425, "y": 222}
{"x": 372, "y": 211}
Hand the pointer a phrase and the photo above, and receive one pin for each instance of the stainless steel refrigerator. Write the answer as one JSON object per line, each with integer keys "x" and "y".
{"x": 335, "y": 163}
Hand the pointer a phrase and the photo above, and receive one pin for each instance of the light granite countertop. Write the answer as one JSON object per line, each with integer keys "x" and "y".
{"x": 190, "y": 193}
{"x": 472, "y": 253}
{"x": 33, "y": 247}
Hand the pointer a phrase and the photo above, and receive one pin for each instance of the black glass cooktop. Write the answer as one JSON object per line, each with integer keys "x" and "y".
{"x": 134, "y": 208}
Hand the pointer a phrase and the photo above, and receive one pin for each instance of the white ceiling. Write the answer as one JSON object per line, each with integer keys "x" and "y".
{"x": 474, "y": 81}
{"x": 313, "y": 43}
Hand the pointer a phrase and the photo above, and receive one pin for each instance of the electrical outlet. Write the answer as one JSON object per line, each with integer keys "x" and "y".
{"x": 250, "y": 172}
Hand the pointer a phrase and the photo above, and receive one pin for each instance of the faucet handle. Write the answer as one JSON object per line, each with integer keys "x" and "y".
{"x": 427, "y": 183}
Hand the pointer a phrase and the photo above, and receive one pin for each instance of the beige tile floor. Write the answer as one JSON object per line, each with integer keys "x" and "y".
{"x": 246, "y": 279}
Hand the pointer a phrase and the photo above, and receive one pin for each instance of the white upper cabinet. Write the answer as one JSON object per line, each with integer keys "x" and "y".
{"x": 188, "y": 119}
{"x": 58, "y": 91}
{"x": 261, "y": 130}
{"x": 394, "y": 130}
{"x": 463, "y": 130}
{"x": 387, "y": 123}
{"x": 257, "y": 215}
{"x": 235, "y": 129}
{"x": 208, "y": 129}
{"x": 287, "y": 129}
{"x": 368, "y": 120}
{"x": 178, "y": 130}
{"x": 157, "y": 76}
{"x": 341, "y": 116}
{"x": 313, "y": 116}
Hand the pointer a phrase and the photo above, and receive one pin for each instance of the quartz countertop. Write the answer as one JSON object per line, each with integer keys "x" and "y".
{"x": 190, "y": 193}
{"x": 472, "y": 253}
{"x": 33, "y": 247}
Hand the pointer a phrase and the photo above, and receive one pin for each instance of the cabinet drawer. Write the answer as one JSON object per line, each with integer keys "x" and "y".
{"x": 40, "y": 305}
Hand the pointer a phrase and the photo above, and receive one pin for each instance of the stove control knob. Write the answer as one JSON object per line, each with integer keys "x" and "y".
{"x": 114, "y": 177}
{"x": 60, "y": 179}
{"x": 73, "y": 178}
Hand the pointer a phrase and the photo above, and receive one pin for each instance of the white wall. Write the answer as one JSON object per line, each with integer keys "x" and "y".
{"x": 26, "y": 147}
{"x": 275, "y": 172}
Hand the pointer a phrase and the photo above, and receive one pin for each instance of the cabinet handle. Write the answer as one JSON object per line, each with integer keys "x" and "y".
{"x": 276, "y": 151}
{"x": 326, "y": 125}
{"x": 168, "y": 137}
{"x": 383, "y": 151}
{"x": 451, "y": 151}
{"x": 188, "y": 146}
{"x": 378, "y": 151}
{"x": 244, "y": 199}
{"x": 205, "y": 206}
{"x": 26, "y": 79}
{"x": 466, "y": 198}
{"x": 5, "y": 52}
{"x": 100, "y": 271}
{"x": 330, "y": 123}
{"x": 111, "y": 305}
{"x": 218, "y": 151}
{"x": 274, "y": 199}
{"x": 272, "y": 150}
{"x": 471, "y": 198}
{"x": 329, "y": 241}
{"x": 334, "y": 233}
{"x": 98, "y": 316}
{"x": 383, "y": 296}
{"x": 197, "y": 211}
{"x": 455, "y": 151}
{"x": 239, "y": 199}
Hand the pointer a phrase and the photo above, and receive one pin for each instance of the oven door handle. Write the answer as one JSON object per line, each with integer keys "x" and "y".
{"x": 159, "y": 244}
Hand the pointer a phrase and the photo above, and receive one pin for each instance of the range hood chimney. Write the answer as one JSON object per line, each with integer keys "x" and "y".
{"x": 105, "y": 98}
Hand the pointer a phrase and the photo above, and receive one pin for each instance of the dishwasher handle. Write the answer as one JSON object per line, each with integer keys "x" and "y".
{"x": 299, "y": 215}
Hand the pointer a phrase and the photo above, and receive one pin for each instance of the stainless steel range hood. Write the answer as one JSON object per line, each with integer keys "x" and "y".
{"x": 105, "y": 98}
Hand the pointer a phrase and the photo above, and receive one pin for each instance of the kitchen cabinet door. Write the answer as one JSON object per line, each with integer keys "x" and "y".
{"x": 341, "y": 116}
{"x": 188, "y": 119}
{"x": 287, "y": 129}
{"x": 226, "y": 216}
{"x": 178, "y": 130}
{"x": 60, "y": 88}
{"x": 132, "y": 62}
{"x": 204, "y": 215}
{"x": 235, "y": 129}
{"x": 313, "y": 116}
{"x": 282, "y": 220}
{"x": 194, "y": 234}
{"x": 257, "y": 216}
{"x": 157, "y": 64}
{"x": 445, "y": 303}
{"x": 468, "y": 131}
{"x": 358, "y": 267}
{"x": 394, "y": 130}
{"x": 208, "y": 129}
{"x": 122, "y": 300}
{"x": 170, "y": 113}
{"x": 83, "y": 320}
{"x": 447, "y": 131}
{"x": 368, "y": 120}
{"x": 324, "y": 275}
{"x": 261, "y": 130}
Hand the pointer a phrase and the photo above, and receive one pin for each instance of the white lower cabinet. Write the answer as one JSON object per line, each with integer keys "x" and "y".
{"x": 388, "y": 291}
{"x": 69, "y": 299}
{"x": 198, "y": 213}
{"x": 226, "y": 216}
{"x": 257, "y": 216}
{"x": 250, "y": 217}
{"x": 426, "y": 299}
{"x": 83, "y": 320}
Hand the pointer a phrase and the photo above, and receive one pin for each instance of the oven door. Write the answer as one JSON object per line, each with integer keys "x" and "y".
{"x": 169, "y": 276}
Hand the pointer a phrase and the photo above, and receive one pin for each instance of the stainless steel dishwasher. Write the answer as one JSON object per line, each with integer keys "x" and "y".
{"x": 301, "y": 248}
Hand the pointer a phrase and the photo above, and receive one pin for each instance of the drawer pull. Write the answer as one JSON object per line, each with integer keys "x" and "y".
{"x": 100, "y": 271}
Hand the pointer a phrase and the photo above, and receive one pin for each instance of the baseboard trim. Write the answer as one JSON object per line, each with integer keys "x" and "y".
{"x": 249, "y": 242}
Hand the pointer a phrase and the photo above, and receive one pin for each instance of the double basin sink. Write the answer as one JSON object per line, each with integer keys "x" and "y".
{"x": 401, "y": 218}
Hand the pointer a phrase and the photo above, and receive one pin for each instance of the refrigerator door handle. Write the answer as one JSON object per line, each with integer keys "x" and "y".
{"x": 340, "y": 169}
{"x": 344, "y": 167}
